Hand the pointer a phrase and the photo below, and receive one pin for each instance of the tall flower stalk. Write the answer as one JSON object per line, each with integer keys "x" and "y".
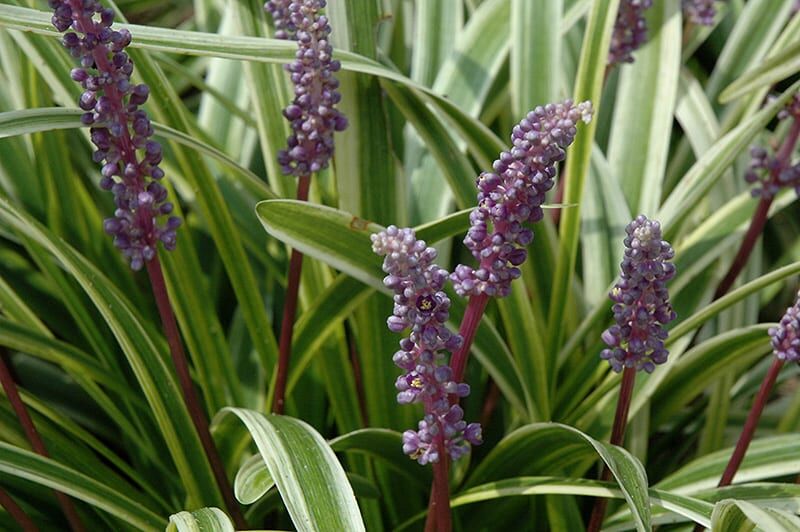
{"x": 12, "y": 394}
{"x": 313, "y": 119}
{"x": 641, "y": 310}
{"x": 772, "y": 173}
{"x": 785, "y": 339}
{"x": 508, "y": 197}
{"x": 130, "y": 158}
{"x": 421, "y": 306}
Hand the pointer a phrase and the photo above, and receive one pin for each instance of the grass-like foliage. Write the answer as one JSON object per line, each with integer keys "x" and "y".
{"x": 394, "y": 264}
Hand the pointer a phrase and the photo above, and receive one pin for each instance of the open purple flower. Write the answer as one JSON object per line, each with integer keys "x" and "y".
{"x": 312, "y": 114}
{"x": 513, "y": 194}
{"x": 630, "y": 31}
{"x": 421, "y": 305}
{"x": 641, "y": 301}
{"x": 120, "y": 130}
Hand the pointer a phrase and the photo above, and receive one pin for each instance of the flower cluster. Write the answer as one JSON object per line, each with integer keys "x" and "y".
{"x": 630, "y": 31}
{"x": 421, "y": 305}
{"x": 641, "y": 301}
{"x": 312, "y": 114}
{"x": 119, "y": 129}
{"x": 786, "y": 336}
{"x": 774, "y": 172}
{"x": 513, "y": 194}
{"x": 700, "y": 12}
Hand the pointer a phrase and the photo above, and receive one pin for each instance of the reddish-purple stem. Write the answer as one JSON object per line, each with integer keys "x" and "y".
{"x": 190, "y": 398}
{"x": 749, "y": 428}
{"x": 12, "y": 393}
{"x": 752, "y": 422}
{"x": 439, "y": 518}
{"x": 17, "y": 513}
{"x": 759, "y": 219}
{"x": 289, "y": 312}
{"x": 359, "y": 382}
{"x": 490, "y": 403}
{"x": 458, "y": 363}
{"x": 472, "y": 317}
{"x": 617, "y": 438}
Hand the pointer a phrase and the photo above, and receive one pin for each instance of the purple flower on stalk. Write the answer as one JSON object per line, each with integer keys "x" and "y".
{"x": 699, "y": 12}
{"x": 641, "y": 301}
{"x": 770, "y": 171}
{"x": 630, "y": 31}
{"x": 513, "y": 195}
{"x": 312, "y": 114}
{"x": 421, "y": 305}
{"x": 119, "y": 129}
{"x": 786, "y": 336}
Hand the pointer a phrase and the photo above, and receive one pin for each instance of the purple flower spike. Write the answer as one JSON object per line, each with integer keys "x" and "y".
{"x": 701, "y": 12}
{"x": 120, "y": 130}
{"x": 312, "y": 114}
{"x": 641, "y": 302}
{"x": 513, "y": 194}
{"x": 786, "y": 336}
{"x": 774, "y": 172}
{"x": 421, "y": 305}
{"x": 630, "y": 31}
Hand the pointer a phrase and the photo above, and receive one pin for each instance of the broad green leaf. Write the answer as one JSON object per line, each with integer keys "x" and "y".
{"x": 543, "y": 447}
{"x": 685, "y": 507}
{"x": 252, "y": 480}
{"x": 202, "y": 520}
{"x": 535, "y": 53}
{"x": 750, "y": 40}
{"x": 432, "y": 46}
{"x": 309, "y": 477}
{"x": 701, "y": 365}
{"x": 387, "y": 446}
{"x": 638, "y": 148}
{"x": 744, "y": 516}
{"x": 768, "y": 457}
{"x": 23, "y": 464}
{"x": 335, "y": 237}
{"x": 453, "y": 164}
{"x": 770, "y": 69}
{"x": 588, "y": 86}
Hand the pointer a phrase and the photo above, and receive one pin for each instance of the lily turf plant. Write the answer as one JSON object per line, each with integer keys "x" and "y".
{"x": 164, "y": 367}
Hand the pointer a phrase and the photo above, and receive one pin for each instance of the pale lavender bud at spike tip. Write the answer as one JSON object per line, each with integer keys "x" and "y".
{"x": 786, "y": 336}
{"x": 513, "y": 195}
{"x": 701, "y": 12}
{"x": 767, "y": 170}
{"x": 630, "y": 31}
{"x": 421, "y": 305}
{"x": 312, "y": 114}
{"x": 120, "y": 130}
{"x": 641, "y": 301}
